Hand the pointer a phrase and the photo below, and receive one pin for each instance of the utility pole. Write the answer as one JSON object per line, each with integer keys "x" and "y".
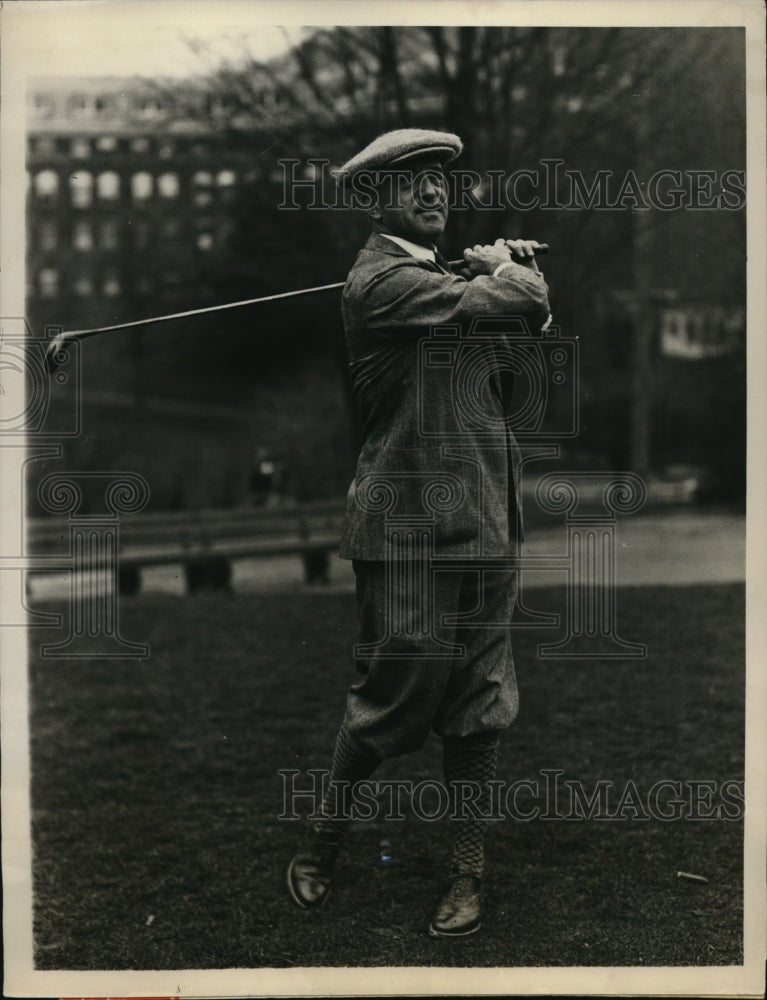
{"x": 644, "y": 324}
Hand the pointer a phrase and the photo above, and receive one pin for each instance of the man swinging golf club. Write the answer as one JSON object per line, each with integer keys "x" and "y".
{"x": 437, "y": 479}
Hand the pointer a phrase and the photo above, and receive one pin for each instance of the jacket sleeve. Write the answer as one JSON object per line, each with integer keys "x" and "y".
{"x": 402, "y": 300}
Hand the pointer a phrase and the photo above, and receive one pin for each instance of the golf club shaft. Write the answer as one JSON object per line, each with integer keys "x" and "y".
{"x": 60, "y": 341}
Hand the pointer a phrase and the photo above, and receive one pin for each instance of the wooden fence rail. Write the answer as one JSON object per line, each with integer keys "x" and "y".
{"x": 205, "y": 541}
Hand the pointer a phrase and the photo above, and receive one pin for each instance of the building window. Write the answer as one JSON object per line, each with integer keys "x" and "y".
{"x": 111, "y": 286}
{"x": 46, "y": 235}
{"x": 83, "y": 285}
{"x": 78, "y": 106}
{"x": 205, "y": 241}
{"x": 49, "y": 282}
{"x": 226, "y": 181}
{"x": 104, "y": 104}
{"x": 108, "y": 186}
{"x": 106, "y": 144}
{"x": 139, "y": 145}
{"x": 47, "y": 184}
{"x": 170, "y": 229}
{"x": 148, "y": 107}
{"x": 142, "y": 234}
{"x": 142, "y": 185}
{"x": 143, "y": 285}
{"x": 109, "y": 235}
{"x": 218, "y": 106}
{"x": 167, "y": 185}
{"x": 80, "y": 148}
{"x": 44, "y": 145}
{"x": 202, "y": 199}
{"x": 166, "y": 151}
{"x": 82, "y": 235}
{"x": 203, "y": 178}
{"x": 81, "y": 189}
{"x": 44, "y": 105}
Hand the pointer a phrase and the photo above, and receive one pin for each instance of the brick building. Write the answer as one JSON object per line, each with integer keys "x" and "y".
{"x": 125, "y": 198}
{"x": 131, "y": 192}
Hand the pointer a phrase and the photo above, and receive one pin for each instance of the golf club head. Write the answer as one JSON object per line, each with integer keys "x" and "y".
{"x": 55, "y": 353}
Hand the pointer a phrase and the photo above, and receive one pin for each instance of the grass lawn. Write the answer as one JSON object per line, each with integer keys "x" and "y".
{"x": 155, "y": 796}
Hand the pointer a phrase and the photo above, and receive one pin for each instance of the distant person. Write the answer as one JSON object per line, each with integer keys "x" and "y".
{"x": 464, "y": 476}
{"x": 262, "y": 478}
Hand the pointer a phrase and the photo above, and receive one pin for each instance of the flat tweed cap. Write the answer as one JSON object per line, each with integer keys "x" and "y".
{"x": 395, "y": 148}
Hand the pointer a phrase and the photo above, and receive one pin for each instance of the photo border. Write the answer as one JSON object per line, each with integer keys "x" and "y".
{"x": 23, "y": 16}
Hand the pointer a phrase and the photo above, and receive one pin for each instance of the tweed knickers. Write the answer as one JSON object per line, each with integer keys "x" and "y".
{"x": 414, "y": 678}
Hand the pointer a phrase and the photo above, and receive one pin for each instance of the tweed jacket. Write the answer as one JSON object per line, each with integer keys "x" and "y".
{"x": 438, "y": 459}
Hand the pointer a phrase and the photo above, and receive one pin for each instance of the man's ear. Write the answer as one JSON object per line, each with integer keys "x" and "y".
{"x": 375, "y": 213}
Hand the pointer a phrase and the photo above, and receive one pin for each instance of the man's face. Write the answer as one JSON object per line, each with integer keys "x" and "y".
{"x": 413, "y": 204}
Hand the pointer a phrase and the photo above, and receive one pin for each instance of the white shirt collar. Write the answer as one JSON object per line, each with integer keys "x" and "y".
{"x": 414, "y": 249}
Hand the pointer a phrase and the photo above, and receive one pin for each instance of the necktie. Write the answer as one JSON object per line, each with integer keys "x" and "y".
{"x": 442, "y": 264}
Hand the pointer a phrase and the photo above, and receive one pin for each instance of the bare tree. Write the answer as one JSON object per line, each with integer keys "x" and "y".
{"x": 624, "y": 101}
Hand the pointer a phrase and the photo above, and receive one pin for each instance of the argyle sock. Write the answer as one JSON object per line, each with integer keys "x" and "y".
{"x": 472, "y": 759}
{"x": 352, "y": 762}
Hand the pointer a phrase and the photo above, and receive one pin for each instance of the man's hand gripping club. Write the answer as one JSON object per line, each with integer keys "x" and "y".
{"x": 488, "y": 258}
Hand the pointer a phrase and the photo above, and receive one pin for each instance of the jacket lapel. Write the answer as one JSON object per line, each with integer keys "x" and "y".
{"x": 379, "y": 244}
